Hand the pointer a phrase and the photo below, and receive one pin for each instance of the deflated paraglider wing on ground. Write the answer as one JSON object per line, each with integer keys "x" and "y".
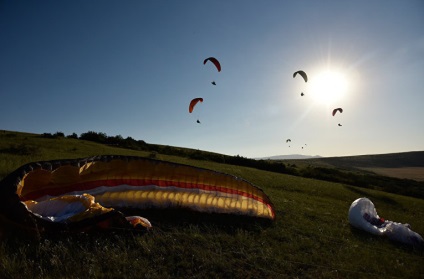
{"x": 43, "y": 194}
{"x": 363, "y": 215}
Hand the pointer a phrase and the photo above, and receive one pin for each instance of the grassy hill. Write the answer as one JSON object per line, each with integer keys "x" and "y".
{"x": 407, "y": 165}
{"x": 311, "y": 237}
{"x": 392, "y": 160}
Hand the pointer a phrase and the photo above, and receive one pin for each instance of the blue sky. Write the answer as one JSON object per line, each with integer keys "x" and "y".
{"x": 130, "y": 68}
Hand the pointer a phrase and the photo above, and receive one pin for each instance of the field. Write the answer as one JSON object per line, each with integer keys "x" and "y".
{"x": 407, "y": 165}
{"x": 311, "y": 237}
{"x": 415, "y": 173}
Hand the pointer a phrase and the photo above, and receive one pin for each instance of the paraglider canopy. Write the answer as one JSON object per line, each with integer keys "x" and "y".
{"x": 302, "y": 73}
{"x": 363, "y": 215}
{"x": 336, "y": 110}
{"x": 214, "y": 61}
{"x": 82, "y": 194}
{"x": 193, "y": 103}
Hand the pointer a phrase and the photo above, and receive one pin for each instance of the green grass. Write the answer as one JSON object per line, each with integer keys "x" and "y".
{"x": 311, "y": 237}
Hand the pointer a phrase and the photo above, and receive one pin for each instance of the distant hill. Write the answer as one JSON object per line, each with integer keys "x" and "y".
{"x": 288, "y": 157}
{"x": 401, "y": 165}
{"x": 391, "y": 160}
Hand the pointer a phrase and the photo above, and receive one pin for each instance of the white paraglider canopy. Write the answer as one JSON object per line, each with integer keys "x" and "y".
{"x": 363, "y": 215}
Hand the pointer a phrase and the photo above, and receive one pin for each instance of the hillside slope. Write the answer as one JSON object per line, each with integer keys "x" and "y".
{"x": 311, "y": 237}
{"x": 409, "y": 165}
{"x": 391, "y": 160}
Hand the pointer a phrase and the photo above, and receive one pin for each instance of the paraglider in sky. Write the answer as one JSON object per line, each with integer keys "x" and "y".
{"x": 193, "y": 103}
{"x": 93, "y": 193}
{"x": 214, "y": 61}
{"x": 336, "y": 110}
{"x": 302, "y": 73}
{"x": 288, "y": 140}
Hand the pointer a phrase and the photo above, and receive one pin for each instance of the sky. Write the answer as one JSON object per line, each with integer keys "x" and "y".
{"x": 131, "y": 68}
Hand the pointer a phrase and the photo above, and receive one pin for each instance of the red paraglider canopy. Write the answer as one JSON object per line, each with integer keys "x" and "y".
{"x": 214, "y": 61}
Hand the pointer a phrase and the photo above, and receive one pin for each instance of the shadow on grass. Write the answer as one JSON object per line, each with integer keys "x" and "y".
{"x": 370, "y": 239}
{"x": 171, "y": 219}
{"x": 163, "y": 221}
{"x": 21, "y": 149}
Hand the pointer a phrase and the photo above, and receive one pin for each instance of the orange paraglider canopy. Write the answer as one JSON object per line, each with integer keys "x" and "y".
{"x": 193, "y": 104}
{"x": 80, "y": 194}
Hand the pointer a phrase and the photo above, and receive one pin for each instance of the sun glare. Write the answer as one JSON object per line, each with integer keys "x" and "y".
{"x": 328, "y": 87}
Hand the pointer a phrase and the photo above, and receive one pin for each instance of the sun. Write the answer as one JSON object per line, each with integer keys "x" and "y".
{"x": 328, "y": 87}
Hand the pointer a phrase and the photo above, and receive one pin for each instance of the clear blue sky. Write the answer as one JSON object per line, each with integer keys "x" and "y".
{"x": 130, "y": 68}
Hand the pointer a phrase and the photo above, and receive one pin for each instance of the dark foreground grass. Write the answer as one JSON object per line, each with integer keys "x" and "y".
{"x": 311, "y": 237}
